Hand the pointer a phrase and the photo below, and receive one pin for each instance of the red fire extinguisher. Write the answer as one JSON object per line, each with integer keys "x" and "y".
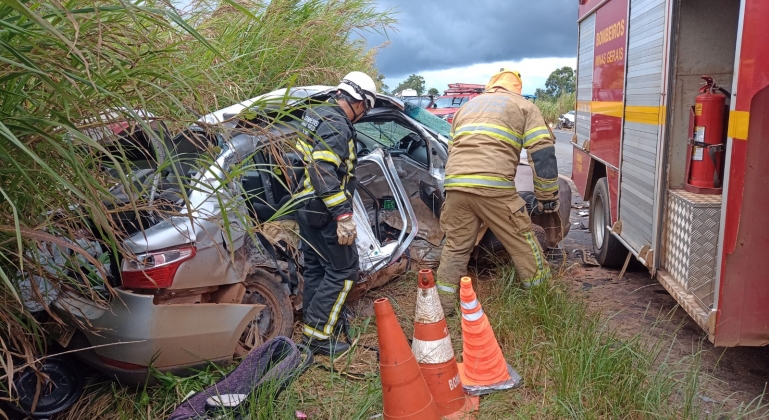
{"x": 706, "y": 140}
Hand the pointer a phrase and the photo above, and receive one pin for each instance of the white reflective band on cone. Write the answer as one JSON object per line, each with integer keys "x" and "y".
{"x": 432, "y": 352}
{"x": 474, "y": 316}
{"x": 469, "y": 305}
{"x": 429, "y": 308}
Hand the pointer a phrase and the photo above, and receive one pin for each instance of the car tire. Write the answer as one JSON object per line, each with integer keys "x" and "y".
{"x": 277, "y": 318}
{"x": 608, "y": 250}
{"x": 492, "y": 248}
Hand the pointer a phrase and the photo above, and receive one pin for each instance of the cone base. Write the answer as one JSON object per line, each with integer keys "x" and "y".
{"x": 473, "y": 388}
{"x": 472, "y": 403}
{"x": 430, "y": 411}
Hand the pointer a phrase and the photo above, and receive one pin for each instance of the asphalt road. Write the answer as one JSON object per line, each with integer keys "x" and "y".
{"x": 563, "y": 152}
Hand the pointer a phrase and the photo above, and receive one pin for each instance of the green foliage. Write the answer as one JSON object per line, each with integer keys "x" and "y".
{"x": 433, "y": 91}
{"x": 61, "y": 64}
{"x": 552, "y": 108}
{"x": 415, "y": 82}
{"x": 561, "y": 82}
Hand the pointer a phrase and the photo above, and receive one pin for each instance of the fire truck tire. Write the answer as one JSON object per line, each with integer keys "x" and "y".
{"x": 608, "y": 250}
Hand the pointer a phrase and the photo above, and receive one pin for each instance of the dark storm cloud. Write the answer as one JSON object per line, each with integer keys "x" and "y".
{"x": 440, "y": 34}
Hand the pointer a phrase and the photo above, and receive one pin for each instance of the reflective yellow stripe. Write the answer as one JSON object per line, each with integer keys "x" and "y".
{"x": 492, "y": 130}
{"x": 652, "y": 115}
{"x": 337, "y": 307}
{"x": 545, "y": 185}
{"x": 445, "y": 287}
{"x": 739, "y": 124}
{"x": 312, "y": 332}
{"x": 542, "y": 271}
{"x": 326, "y": 156}
{"x": 304, "y": 148}
{"x": 477, "y": 181}
{"x": 535, "y": 134}
{"x": 335, "y": 199}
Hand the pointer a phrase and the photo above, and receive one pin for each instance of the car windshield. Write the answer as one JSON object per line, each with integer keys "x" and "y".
{"x": 571, "y": 112}
{"x": 449, "y": 102}
{"x": 388, "y": 134}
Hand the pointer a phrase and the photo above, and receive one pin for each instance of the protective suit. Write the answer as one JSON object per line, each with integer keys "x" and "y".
{"x": 325, "y": 218}
{"x": 330, "y": 269}
{"x": 487, "y": 136}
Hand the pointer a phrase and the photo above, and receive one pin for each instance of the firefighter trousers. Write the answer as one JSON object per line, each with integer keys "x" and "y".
{"x": 330, "y": 271}
{"x": 461, "y": 219}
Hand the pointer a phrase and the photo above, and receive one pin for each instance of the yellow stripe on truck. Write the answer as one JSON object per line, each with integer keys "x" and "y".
{"x": 612, "y": 109}
{"x": 652, "y": 115}
{"x": 739, "y": 123}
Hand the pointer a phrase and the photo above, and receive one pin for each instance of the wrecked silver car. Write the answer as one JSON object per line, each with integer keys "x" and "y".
{"x": 221, "y": 271}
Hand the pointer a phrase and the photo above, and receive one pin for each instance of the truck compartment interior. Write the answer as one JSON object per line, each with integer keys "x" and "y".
{"x": 703, "y": 43}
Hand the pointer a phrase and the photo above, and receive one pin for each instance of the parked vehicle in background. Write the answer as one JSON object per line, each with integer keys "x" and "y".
{"x": 420, "y": 101}
{"x": 674, "y": 168}
{"x": 566, "y": 121}
{"x": 454, "y": 97}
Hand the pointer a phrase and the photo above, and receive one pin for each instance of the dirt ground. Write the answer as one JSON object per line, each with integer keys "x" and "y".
{"x": 639, "y": 304}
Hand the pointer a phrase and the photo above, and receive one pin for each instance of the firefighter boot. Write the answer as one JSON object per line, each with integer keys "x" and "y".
{"x": 448, "y": 301}
{"x": 331, "y": 347}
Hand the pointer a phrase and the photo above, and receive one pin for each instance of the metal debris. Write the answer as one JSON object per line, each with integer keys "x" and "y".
{"x": 586, "y": 257}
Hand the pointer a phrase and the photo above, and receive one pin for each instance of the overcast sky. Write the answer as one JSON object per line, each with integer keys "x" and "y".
{"x": 449, "y": 41}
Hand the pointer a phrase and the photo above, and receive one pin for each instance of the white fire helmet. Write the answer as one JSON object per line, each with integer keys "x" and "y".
{"x": 361, "y": 87}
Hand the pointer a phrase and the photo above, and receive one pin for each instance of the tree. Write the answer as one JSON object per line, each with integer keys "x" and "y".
{"x": 433, "y": 91}
{"x": 382, "y": 86}
{"x": 541, "y": 93}
{"x": 560, "y": 82}
{"x": 415, "y": 82}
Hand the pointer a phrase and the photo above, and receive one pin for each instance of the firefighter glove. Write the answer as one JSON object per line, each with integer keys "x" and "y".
{"x": 345, "y": 230}
{"x": 548, "y": 206}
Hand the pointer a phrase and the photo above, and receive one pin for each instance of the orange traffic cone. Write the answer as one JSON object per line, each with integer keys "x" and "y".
{"x": 484, "y": 369}
{"x": 404, "y": 391}
{"x": 432, "y": 348}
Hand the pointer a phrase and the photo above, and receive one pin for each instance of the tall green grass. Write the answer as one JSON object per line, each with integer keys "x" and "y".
{"x": 551, "y": 108}
{"x": 62, "y": 63}
{"x": 573, "y": 364}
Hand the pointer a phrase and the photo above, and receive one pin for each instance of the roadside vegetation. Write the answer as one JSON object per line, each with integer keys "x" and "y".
{"x": 61, "y": 64}
{"x": 573, "y": 367}
{"x": 553, "y": 107}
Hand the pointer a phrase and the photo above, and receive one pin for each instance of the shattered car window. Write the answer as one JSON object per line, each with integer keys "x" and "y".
{"x": 388, "y": 135}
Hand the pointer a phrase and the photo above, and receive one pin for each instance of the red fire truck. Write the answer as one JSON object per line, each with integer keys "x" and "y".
{"x": 454, "y": 97}
{"x": 671, "y": 147}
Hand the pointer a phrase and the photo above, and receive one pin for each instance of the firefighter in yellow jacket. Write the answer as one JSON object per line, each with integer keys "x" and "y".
{"x": 487, "y": 136}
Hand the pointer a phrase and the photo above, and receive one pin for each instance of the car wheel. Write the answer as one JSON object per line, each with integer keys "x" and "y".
{"x": 608, "y": 250}
{"x": 277, "y": 318}
{"x": 62, "y": 387}
{"x": 492, "y": 247}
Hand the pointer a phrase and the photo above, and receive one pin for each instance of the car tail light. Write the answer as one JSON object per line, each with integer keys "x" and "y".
{"x": 154, "y": 270}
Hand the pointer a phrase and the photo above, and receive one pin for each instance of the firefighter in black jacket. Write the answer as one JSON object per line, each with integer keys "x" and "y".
{"x": 325, "y": 213}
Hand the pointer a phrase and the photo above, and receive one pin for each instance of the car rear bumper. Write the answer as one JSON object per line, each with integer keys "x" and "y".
{"x": 134, "y": 331}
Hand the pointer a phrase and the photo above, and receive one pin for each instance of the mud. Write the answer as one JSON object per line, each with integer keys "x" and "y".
{"x": 638, "y": 304}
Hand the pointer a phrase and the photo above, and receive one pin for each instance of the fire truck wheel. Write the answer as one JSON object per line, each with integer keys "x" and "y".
{"x": 609, "y": 252}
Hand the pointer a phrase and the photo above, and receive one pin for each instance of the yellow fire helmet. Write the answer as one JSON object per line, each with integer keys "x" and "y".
{"x": 507, "y": 79}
